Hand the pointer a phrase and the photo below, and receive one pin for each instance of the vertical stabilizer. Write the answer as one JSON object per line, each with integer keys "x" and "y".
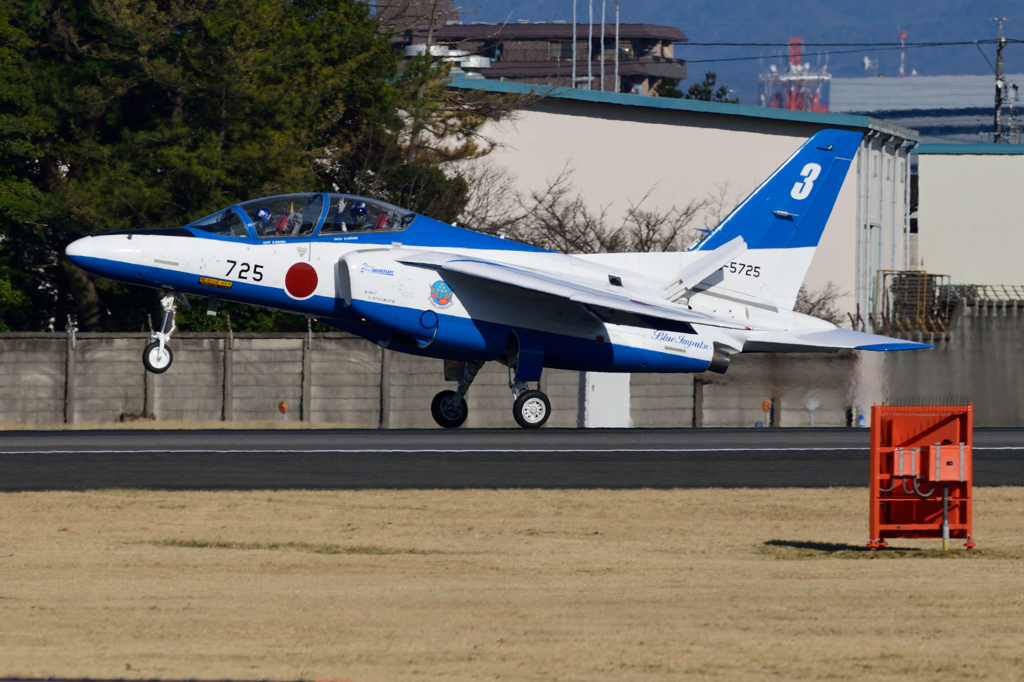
{"x": 782, "y": 222}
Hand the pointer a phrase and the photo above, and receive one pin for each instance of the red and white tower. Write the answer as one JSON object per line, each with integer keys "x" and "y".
{"x": 903, "y": 36}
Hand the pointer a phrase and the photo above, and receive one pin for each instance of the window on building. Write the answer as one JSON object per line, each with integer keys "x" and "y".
{"x": 561, "y": 50}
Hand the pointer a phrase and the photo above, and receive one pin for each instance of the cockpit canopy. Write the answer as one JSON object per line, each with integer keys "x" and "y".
{"x": 306, "y": 215}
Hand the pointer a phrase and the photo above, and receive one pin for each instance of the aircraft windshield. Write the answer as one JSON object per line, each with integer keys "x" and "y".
{"x": 349, "y": 213}
{"x": 287, "y": 215}
{"x": 225, "y": 223}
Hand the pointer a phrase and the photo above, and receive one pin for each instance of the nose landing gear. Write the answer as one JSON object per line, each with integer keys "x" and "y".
{"x": 157, "y": 356}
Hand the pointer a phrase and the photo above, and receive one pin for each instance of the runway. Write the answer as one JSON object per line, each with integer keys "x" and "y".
{"x": 493, "y": 458}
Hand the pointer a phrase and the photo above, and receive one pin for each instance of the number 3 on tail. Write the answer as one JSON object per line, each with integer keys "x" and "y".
{"x": 801, "y": 190}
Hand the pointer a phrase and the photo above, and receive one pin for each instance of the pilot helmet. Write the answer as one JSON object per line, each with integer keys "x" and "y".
{"x": 263, "y": 215}
{"x": 358, "y": 209}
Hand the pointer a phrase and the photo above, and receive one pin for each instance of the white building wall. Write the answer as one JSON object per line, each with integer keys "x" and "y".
{"x": 619, "y": 154}
{"x": 970, "y": 212}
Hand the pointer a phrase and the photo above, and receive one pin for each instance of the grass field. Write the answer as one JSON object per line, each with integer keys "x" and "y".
{"x": 506, "y": 585}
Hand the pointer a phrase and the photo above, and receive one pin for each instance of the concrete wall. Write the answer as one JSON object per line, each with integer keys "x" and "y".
{"x": 105, "y": 379}
{"x": 969, "y": 215}
{"x": 193, "y": 389}
{"x": 352, "y": 363}
{"x": 661, "y": 400}
{"x": 348, "y": 381}
{"x": 736, "y": 398}
{"x": 982, "y": 361}
{"x": 32, "y": 378}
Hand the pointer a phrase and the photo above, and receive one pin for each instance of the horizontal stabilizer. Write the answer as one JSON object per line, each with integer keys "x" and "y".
{"x": 830, "y": 340}
{"x": 703, "y": 267}
{"x": 610, "y": 306}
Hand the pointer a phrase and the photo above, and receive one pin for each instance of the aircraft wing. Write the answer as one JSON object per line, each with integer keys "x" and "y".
{"x": 609, "y": 306}
{"x": 827, "y": 340}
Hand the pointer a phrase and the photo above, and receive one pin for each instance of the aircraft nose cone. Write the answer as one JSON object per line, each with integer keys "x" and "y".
{"x": 80, "y": 249}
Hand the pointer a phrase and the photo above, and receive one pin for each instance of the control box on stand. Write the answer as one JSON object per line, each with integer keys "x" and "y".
{"x": 921, "y": 473}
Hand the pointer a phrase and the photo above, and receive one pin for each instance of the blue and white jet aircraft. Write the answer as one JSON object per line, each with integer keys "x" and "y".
{"x": 419, "y": 286}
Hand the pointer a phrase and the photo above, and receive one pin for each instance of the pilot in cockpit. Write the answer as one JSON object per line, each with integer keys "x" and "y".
{"x": 358, "y": 217}
{"x": 264, "y": 225}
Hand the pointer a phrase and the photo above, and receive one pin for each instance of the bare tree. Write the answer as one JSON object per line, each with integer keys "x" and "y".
{"x": 820, "y": 303}
{"x": 660, "y": 230}
{"x": 558, "y": 218}
{"x": 492, "y": 205}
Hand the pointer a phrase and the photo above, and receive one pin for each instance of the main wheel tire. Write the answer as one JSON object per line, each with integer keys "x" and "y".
{"x": 449, "y": 409}
{"x": 531, "y": 409}
{"x": 155, "y": 361}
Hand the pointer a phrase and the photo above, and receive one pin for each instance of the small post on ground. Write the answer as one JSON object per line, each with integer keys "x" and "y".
{"x": 945, "y": 517}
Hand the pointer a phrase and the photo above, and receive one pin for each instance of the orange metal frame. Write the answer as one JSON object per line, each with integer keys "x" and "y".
{"x": 919, "y": 454}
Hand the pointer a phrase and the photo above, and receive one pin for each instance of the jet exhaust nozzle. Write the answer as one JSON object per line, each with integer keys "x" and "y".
{"x": 720, "y": 360}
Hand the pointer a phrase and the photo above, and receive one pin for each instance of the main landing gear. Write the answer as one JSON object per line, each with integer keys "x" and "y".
{"x": 157, "y": 356}
{"x": 531, "y": 408}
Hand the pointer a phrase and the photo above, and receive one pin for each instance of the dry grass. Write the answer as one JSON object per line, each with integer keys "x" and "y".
{"x": 517, "y": 585}
{"x": 172, "y": 424}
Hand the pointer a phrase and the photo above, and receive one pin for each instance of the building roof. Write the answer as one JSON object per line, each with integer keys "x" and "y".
{"x": 941, "y": 108}
{"x": 514, "y": 69}
{"x": 914, "y": 93}
{"x": 614, "y": 98}
{"x": 539, "y": 31}
{"x": 974, "y": 149}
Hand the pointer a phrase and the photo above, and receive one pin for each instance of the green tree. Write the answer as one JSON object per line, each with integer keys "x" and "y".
{"x": 21, "y": 124}
{"x": 668, "y": 87}
{"x": 145, "y": 113}
{"x": 706, "y": 91}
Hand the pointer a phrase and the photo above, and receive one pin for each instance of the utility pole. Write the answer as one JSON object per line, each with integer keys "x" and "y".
{"x": 602, "y": 45}
{"x": 618, "y": 85}
{"x": 1000, "y": 83}
{"x": 590, "y": 47}
{"x": 573, "y": 44}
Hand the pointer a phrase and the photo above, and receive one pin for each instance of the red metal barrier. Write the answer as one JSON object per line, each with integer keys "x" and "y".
{"x": 921, "y": 473}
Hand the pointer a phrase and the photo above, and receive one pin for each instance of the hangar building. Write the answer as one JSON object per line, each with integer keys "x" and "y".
{"x": 969, "y": 212}
{"x": 622, "y": 147}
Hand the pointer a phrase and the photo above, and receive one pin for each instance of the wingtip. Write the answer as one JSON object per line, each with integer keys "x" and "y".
{"x": 895, "y": 345}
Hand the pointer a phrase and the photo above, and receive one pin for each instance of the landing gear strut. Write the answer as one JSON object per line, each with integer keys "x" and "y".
{"x": 449, "y": 408}
{"x": 157, "y": 356}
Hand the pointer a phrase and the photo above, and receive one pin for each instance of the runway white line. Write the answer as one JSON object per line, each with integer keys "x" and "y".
{"x": 386, "y": 451}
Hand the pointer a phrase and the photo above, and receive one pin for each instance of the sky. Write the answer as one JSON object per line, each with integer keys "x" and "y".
{"x": 816, "y": 21}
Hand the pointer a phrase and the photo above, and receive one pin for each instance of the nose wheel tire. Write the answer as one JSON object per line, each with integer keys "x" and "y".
{"x": 449, "y": 409}
{"x": 155, "y": 360}
{"x": 531, "y": 409}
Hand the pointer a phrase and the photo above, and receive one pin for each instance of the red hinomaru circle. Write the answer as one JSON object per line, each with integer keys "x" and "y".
{"x": 301, "y": 280}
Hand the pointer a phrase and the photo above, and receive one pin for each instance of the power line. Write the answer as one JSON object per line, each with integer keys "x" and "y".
{"x": 875, "y": 45}
{"x": 805, "y": 54}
